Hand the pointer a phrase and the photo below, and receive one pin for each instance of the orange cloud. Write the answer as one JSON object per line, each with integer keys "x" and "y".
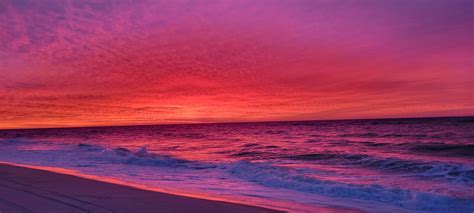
{"x": 145, "y": 62}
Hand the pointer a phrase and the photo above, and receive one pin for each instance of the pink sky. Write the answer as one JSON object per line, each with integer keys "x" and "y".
{"x": 92, "y": 62}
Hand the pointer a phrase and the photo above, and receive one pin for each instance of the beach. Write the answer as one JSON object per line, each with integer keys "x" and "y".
{"x": 30, "y": 190}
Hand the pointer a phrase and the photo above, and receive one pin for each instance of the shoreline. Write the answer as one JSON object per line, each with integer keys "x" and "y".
{"x": 27, "y": 189}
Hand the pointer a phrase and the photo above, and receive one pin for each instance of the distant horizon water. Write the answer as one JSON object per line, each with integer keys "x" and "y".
{"x": 234, "y": 122}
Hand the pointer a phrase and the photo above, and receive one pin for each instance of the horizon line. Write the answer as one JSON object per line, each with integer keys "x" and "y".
{"x": 233, "y": 122}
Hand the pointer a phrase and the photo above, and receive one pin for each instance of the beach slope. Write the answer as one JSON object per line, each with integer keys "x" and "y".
{"x": 31, "y": 190}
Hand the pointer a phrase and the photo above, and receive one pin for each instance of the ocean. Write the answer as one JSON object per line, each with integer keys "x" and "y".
{"x": 384, "y": 165}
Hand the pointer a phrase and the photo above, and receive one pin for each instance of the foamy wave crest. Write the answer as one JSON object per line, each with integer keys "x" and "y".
{"x": 140, "y": 157}
{"x": 435, "y": 170}
{"x": 15, "y": 141}
{"x": 272, "y": 176}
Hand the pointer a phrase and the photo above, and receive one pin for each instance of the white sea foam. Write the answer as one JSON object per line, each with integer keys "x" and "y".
{"x": 272, "y": 176}
{"x": 88, "y": 156}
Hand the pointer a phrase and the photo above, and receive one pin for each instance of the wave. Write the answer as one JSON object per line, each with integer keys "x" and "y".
{"x": 272, "y": 176}
{"x": 248, "y": 154}
{"x": 140, "y": 157}
{"x": 467, "y": 120}
{"x": 326, "y": 156}
{"x": 399, "y": 135}
{"x": 452, "y": 150}
{"x": 452, "y": 172}
{"x": 363, "y": 135}
{"x": 276, "y": 132}
{"x": 435, "y": 170}
{"x": 269, "y": 175}
{"x": 15, "y": 141}
{"x": 374, "y": 135}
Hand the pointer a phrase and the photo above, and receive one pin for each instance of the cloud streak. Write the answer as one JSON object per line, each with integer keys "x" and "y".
{"x": 93, "y": 62}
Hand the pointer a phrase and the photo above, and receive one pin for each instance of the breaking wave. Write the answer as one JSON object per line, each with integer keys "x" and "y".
{"x": 434, "y": 170}
{"x": 272, "y": 176}
{"x": 140, "y": 157}
{"x": 269, "y": 175}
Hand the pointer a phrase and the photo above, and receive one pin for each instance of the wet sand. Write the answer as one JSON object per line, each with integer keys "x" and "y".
{"x": 31, "y": 190}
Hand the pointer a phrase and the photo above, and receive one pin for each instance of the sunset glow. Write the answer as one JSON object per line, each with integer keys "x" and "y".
{"x": 90, "y": 63}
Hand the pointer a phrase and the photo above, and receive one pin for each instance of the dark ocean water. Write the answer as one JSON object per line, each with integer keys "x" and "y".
{"x": 403, "y": 165}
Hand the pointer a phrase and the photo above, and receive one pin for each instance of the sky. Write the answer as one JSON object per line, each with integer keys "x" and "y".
{"x": 105, "y": 62}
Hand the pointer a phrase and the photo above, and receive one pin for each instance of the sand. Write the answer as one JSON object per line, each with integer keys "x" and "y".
{"x": 31, "y": 190}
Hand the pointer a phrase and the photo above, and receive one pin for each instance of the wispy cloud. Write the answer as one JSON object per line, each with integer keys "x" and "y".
{"x": 117, "y": 62}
